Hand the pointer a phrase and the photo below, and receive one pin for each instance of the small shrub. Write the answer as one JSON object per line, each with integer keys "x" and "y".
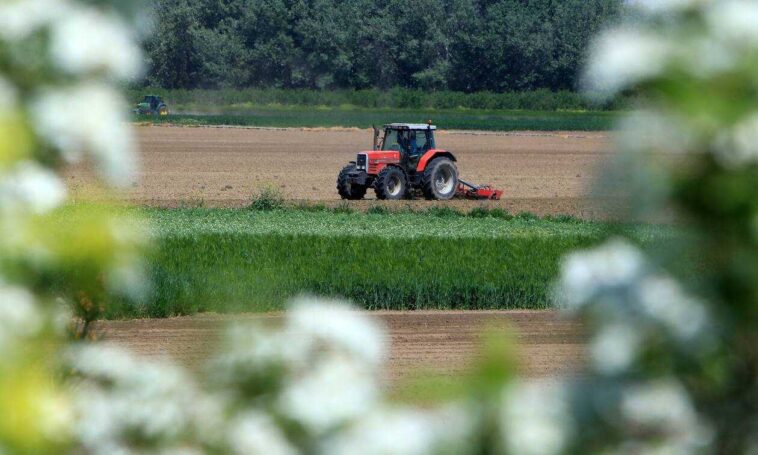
{"x": 269, "y": 198}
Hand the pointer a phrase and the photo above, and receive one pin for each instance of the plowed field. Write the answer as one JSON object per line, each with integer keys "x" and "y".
{"x": 444, "y": 342}
{"x": 545, "y": 173}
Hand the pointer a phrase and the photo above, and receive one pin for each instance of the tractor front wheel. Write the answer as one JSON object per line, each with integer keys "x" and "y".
{"x": 345, "y": 188}
{"x": 391, "y": 184}
{"x": 440, "y": 179}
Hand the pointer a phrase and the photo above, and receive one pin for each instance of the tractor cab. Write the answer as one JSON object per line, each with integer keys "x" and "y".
{"x": 153, "y": 101}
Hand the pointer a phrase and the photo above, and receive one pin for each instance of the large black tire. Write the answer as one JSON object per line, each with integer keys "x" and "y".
{"x": 391, "y": 183}
{"x": 346, "y": 189}
{"x": 440, "y": 179}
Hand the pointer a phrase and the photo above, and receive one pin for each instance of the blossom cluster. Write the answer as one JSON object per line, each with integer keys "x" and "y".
{"x": 59, "y": 63}
{"x": 645, "y": 327}
{"x": 309, "y": 386}
{"x": 704, "y": 48}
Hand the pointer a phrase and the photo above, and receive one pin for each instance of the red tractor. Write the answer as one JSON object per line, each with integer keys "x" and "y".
{"x": 407, "y": 159}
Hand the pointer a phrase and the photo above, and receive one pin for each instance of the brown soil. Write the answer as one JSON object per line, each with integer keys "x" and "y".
{"x": 443, "y": 342}
{"x": 546, "y": 173}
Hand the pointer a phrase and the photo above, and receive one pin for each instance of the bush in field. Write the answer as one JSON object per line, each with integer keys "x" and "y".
{"x": 269, "y": 198}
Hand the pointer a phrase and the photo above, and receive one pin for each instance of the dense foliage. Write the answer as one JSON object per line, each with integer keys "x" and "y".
{"x": 461, "y": 45}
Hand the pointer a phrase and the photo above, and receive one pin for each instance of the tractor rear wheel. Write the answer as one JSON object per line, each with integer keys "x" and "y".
{"x": 345, "y": 188}
{"x": 391, "y": 183}
{"x": 440, "y": 179}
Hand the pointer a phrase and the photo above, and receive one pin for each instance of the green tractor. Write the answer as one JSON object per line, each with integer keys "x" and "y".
{"x": 152, "y": 105}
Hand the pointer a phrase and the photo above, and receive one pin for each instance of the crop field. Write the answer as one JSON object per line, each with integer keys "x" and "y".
{"x": 234, "y": 260}
{"x": 462, "y": 119}
{"x": 543, "y": 173}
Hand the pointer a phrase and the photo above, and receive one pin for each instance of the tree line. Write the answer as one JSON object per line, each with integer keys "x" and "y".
{"x": 458, "y": 45}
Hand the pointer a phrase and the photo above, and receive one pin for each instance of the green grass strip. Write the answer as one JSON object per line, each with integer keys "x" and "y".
{"x": 226, "y": 260}
{"x": 458, "y": 119}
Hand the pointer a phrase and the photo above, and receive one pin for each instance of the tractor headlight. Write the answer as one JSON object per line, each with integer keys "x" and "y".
{"x": 361, "y": 161}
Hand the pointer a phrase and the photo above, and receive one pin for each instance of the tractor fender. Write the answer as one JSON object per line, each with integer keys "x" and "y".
{"x": 430, "y": 155}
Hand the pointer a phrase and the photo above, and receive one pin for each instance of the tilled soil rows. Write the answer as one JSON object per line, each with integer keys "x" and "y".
{"x": 442, "y": 342}
{"x": 545, "y": 173}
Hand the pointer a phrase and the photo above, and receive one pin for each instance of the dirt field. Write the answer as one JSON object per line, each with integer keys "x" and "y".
{"x": 440, "y": 341}
{"x": 546, "y": 173}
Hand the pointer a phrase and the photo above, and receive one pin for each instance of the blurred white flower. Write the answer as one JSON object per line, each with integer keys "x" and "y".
{"x": 123, "y": 403}
{"x": 32, "y": 187}
{"x": 389, "y": 432}
{"x": 664, "y": 407}
{"x": 21, "y": 18}
{"x": 255, "y": 433}
{"x": 739, "y": 147}
{"x": 622, "y": 57}
{"x": 583, "y": 273}
{"x": 19, "y": 316}
{"x": 653, "y": 131}
{"x": 336, "y": 326}
{"x": 87, "y": 118}
{"x": 535, "y": 418}
{"x": 734, "y": 21}
{"x": 664, "y": 300}
{"x": 614, "y": 348}
{"x": 87, "y": 40}
{"x": 334, "y": 391}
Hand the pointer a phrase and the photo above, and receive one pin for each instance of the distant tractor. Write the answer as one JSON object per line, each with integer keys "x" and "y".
{"x": 152, "y": 105}
{"x": 406, "y": 159}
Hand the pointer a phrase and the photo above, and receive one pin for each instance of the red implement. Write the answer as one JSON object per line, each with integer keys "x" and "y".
{"x": 471, "y": 191}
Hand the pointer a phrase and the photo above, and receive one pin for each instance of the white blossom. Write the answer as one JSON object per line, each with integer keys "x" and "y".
{"x": 389, "y": 432}
{"x": 739, "y": 146}
{"x": 19, "y": 315}
{"x": 664, "y": 300}
{"x": 255, "y": 433}
{"x": 30, "y": 186}
{"x": 664, "y": 406}
{"x": 334, "y": 391}
{"x": 87, "y": 118}
{"x": 614, "y": 348}
{"x": 734, "y": 21}
{"x": 622, "y": 57}
{"x": 653, "y": 131}
{"x": 613, "y": 264}
{"x": 534, "y": 418}
{"x": 336, "y": 326}
{"x": 21, "y": 18}
{"x": 122, "y": 401}
{"x": 89, "y": 40}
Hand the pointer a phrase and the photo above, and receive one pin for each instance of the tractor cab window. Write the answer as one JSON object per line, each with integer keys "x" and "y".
{"x": 419, "y": 142}
{"x": 391, "y": 140}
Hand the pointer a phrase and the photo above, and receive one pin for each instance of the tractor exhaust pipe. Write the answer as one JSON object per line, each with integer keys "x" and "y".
{"x": 376, "y": 137}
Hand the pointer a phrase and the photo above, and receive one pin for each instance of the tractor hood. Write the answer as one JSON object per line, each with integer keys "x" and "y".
{"x": 373, "y": 161}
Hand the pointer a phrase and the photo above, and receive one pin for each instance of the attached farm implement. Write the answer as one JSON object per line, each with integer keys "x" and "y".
{"x": 406, "y": 160}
